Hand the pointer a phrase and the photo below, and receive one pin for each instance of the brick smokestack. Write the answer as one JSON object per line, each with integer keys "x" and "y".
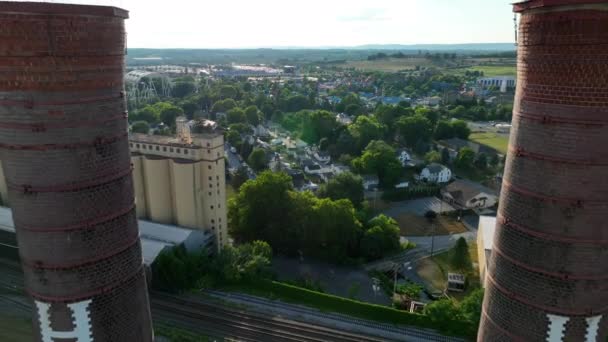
{"x": 63, "y": 140}
{"x": 548, "y": 274}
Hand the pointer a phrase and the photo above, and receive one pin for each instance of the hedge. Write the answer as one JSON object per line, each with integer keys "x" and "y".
{"x": 330, "y": 303}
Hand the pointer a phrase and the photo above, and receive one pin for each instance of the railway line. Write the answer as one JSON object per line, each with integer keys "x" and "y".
{"x": 250, "y": 326}
{"x": 220, "y": 321}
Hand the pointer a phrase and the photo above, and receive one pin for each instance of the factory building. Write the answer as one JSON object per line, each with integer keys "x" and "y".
{"x": 181, "y": 180}
{"x": 547, "y": 273}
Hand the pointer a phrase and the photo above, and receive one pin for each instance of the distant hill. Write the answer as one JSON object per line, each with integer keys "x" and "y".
{"x": 440, "y": 47}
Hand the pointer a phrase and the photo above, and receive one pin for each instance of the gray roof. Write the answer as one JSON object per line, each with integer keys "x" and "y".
{"x": 435, "y": 168}
{"x": 155, "y": 237}
{"x": 463, "y": 190}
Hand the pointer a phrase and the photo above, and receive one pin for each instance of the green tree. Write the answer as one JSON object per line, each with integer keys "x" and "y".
{"x": 432, "y": 157}
{"x": 460, "y": 258}
{"x": 317, "y": 125}
{"x": 431, "y": 114}
{"x": 471, "y": 308}
{"x": 233, "y": 137}
{"x": 223, "y": 106}
{"x": 262, "y": 209}
{"x": 257, "y": 159}
{"x": 239, "y": 178}
{"x": 297, "y": 103}
{"x": 443, "y": 312}
{"x": 460, "y": 129}
{"x": 379, "y": 158}
{"x": 228, "y": 92}
{"x": 236, "y": 115}
{"x": 140, "y": 127}
{"x": 381, "y": 237}
{"x": 169, "y": 112}
{"x": 148, "y": 114}
{"x": 353, "y": 109}
{"x": 494, "y": 160}
{"x": 182, "y": 89}
{"x": 345, "y": 185}
{"x": 415, "y": 128}
{"x": 445, "y": 156}
{"x": 364, "y": 130}
{"x": 443, "y": 130}
{"x": 481, "y": 162}
{"x": 253, "y": 115}
{"x": 465, "y": 158}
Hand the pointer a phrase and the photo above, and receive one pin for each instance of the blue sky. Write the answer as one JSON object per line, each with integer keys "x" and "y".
{"x": 312, "y": 23}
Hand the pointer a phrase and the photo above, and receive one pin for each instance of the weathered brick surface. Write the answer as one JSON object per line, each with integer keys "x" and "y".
{"x": 65, "y": 156}
{"x": 551, "y": 241}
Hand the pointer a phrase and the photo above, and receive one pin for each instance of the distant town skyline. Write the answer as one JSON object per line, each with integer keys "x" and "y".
{"x": 312, "y": 23}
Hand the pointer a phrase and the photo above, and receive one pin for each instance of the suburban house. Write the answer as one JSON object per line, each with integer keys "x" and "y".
{"x": 436, "y": 173}
{"x": 455, "y": 144}
{"x": 370, "y": 182}
{"x": 316, "y": 169}
{"x": 485, "y": 240}
{"x": 404, "y": 157}
{"x": 321, "y": 156}
{"x": 469, "y": 195}
{"x": 339, "y": 168}
{"x": 344, "y": 119}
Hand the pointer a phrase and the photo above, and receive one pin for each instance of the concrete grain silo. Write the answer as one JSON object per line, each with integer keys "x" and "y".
{"x": 65, "y": 155}
{"x": 548, "y": 274}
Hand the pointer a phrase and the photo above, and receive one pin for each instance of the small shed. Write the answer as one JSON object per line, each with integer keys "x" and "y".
{"x": 456, "y": 282}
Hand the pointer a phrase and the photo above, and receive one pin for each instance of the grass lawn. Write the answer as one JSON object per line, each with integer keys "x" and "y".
{"x": 496, "y": 141}
{"x": 434, "y": 270}
{"x": 495, "y": 70}
{"x": 13, "y": 329}
{"x": 414, "y": 225}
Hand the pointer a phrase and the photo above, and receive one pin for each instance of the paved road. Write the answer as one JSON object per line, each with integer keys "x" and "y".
{"x": 424, "y": 245}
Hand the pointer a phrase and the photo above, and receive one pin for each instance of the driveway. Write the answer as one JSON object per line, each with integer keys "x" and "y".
{"x": 418, "y": 207}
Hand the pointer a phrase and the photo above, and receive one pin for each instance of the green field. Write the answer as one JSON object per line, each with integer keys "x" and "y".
{"x": 493, "y": 140}
{"x": 491, "y": 71}
{"x": 14, "y": 329}
{"x": 387, "y": 65}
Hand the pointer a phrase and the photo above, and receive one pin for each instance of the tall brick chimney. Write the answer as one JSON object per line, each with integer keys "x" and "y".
{"x": 65, "y": 154}
{"x": 548, "y": 274}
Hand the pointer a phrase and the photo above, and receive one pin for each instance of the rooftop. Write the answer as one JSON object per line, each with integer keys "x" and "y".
{"x": 154, "y": 236}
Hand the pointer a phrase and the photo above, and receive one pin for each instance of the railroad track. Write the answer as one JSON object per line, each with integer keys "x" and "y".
{"x": 251, "y": 326}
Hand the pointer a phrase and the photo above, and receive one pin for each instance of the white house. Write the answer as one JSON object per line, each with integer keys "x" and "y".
{"x": 485, "y": 240}
{"x": 339, "y": 168}
{"x": 322, "y": 157}
{"x": 316, "y": 169}
{"x": 436, "y": 173}
{"x": 344, "y": 119}
{"x": 370, "y": 182}
{"x": 404, "y": 157}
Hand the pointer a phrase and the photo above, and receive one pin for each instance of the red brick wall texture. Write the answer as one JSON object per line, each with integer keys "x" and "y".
{"x": 65, "y": 154}
{"x": 548, "y": 274}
